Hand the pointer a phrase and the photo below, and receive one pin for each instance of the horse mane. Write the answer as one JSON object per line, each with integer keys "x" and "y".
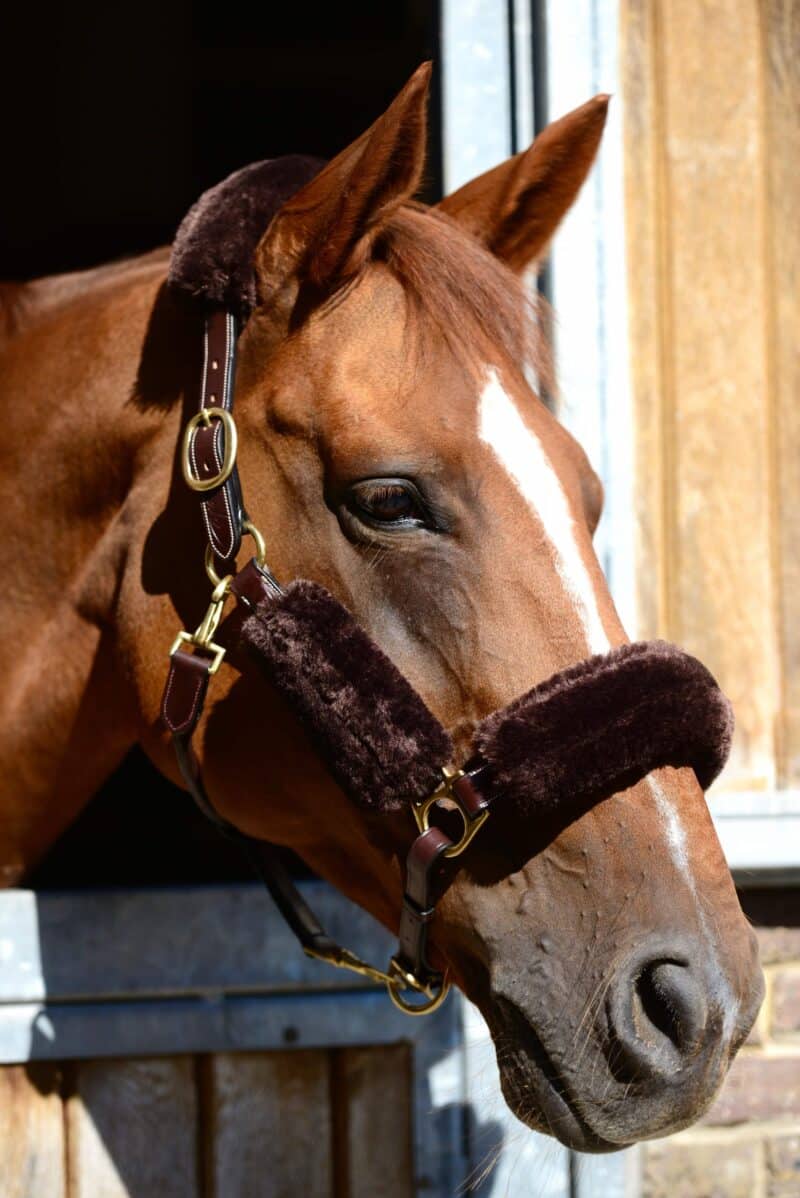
{"x": 462, "y": 291}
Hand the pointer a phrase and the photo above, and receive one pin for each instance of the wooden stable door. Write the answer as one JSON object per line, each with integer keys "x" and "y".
{"x": 252, "y": 1125}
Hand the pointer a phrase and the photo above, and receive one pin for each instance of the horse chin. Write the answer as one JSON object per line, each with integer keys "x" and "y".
{"x": 532, "y": 1086}
{"x": 543, "y": 1096}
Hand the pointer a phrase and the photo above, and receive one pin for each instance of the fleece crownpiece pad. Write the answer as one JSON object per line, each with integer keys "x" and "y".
{"x": 213, "y": 250}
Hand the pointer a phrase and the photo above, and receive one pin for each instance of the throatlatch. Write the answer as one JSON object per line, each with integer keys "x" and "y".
{"x": 580, "y": 736}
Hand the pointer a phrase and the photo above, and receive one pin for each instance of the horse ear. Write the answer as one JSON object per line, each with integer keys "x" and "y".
{"x": 323, "y": 234}
{"x": 516, "y": 208}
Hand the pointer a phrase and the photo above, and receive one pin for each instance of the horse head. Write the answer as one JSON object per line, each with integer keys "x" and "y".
{"x": 394, "y": 449}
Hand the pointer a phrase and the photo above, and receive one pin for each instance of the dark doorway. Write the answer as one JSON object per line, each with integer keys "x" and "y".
{"x": 118, "y": 117}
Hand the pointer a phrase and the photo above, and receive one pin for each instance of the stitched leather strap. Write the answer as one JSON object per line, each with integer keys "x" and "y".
{"x": 185, "y": 691}
{"x": 222, "y": 508}
{"x": 425, "y": 873}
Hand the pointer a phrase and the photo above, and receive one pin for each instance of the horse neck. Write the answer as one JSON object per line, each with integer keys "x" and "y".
{"x": 68, "y": 457}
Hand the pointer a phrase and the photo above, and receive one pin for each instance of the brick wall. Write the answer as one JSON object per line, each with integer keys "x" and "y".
{"x": 748, "y": 1145}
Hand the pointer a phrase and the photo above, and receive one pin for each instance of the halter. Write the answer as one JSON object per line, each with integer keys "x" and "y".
{"x": 586, "y": 733}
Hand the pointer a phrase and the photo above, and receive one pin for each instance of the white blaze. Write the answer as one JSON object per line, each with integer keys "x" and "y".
{"x": 676, "y": 837}
{"x": 520, "y": 452}
{"x": 676, "y": 843}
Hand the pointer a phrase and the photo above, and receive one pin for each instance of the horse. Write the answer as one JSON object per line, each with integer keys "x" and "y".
{"x": 396, "y": 451}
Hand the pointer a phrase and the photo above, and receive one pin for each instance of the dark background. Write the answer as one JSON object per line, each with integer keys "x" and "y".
{"x": 118, "y": 116}
{"x": 116, "y": 119}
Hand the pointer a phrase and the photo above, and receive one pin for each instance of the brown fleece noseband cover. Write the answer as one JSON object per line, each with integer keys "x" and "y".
{"x": 585, "y": 733}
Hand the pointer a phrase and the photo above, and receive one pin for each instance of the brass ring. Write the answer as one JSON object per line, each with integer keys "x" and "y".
{"x": 261, "y": 552}
{"x": 204, "y": 417}
{"x": 394, "y": 988}
{"x": 213, "y": 577}
{"x": 261, "y": 548}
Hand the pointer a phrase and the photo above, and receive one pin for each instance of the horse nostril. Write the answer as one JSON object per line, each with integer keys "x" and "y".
{"x": 658, "y": 1016}
{"x": 669, "y": 1000}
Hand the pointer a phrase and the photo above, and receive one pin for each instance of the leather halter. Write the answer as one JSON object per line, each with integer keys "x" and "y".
{"x": 587, "y": 732}
{"x": 590, "y": 731}
{"x": 209, "y": 469}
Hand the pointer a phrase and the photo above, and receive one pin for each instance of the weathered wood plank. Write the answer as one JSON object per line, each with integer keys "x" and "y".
{"x": 372, "y": 1115}
{"x": 31, "y": 1133}
{"x": 131, "y": 1130}
{"x": 267, "y": 1125}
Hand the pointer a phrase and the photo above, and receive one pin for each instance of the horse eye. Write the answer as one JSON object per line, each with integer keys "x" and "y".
{"x": 388, "y": 502}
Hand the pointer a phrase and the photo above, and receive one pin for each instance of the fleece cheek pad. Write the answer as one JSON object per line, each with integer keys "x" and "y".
{"x": 371, "y": 728}
{"x": 585, "y": 733}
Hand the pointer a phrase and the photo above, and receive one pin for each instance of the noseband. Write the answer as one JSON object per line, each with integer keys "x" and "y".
{"x": 580, "y": 736}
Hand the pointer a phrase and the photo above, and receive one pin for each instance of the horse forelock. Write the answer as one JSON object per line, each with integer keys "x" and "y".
{"x": 461, "y": 292}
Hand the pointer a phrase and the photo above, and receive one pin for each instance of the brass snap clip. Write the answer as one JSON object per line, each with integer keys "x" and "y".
{"x": 203, "y": 636}
{"x": 204, "y": 417}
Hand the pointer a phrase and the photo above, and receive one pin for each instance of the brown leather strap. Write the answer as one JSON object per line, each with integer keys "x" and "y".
{"x": 254, "y": 584}
{"x": 429, "y": 873}
{"x": 185, "y": 691}
{"x": 222, "y": 508}
{"x": 425, "y": 874}
{"x": 472, "y": 789}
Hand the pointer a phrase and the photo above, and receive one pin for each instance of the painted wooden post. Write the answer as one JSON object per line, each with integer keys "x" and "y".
{"x": 712, "y": 139}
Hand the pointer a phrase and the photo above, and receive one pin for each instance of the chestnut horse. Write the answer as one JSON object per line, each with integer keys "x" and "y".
{"x": 391, "y": 448}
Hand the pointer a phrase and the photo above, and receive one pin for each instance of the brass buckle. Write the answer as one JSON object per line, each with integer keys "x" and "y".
{"x": 204, "y": 417}
{"x": 203, "y": 636}
{"x": 472, "y": 823}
